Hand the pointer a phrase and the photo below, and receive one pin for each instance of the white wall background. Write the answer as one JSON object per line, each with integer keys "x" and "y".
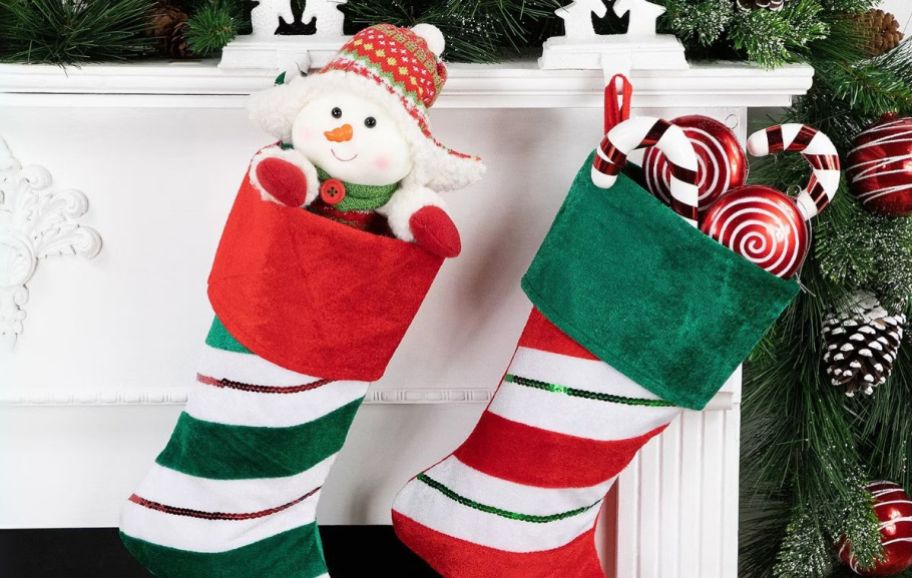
{"x": 902, "y": 9}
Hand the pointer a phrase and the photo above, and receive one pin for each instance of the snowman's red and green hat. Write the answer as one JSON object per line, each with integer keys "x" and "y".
{"x": 400, "y": 69}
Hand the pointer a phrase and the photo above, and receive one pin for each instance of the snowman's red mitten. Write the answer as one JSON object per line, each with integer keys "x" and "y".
{"x": 284, "y": 176}
{"x": 434, "y": 230}
{"x": 418, "y": 214}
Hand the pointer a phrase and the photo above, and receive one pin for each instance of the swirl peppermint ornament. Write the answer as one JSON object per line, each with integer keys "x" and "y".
{"x": 721, "y": 163}
{"x": 641, "y": 132}
{"x": 766, "y": 226}
{"x": 880, "y": 166}
{"x": 763, "y": 226}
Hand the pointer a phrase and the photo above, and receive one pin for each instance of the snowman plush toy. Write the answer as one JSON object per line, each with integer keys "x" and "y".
{"x": 355, "y": 144}
{"x": 334, "y": 239}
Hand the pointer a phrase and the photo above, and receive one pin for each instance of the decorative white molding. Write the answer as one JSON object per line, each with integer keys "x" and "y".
{"x": 36, "y": 222}
{"x": 723, "y": 400}
{"x": 381, "y": 396}
{"x": 518, "y": 84}
{"x": 280, "y": 53}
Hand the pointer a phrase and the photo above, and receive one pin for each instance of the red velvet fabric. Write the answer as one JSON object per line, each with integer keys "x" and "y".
{"x": 543, "y": 335}
{"x": 313, "y": 295}
{"x": 531, "y": 456}
{"x": 452, "y": 557}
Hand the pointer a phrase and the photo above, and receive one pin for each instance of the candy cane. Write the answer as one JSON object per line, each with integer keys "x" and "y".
{"x": 643, "y": 132}
{"x": 816, "y": 148}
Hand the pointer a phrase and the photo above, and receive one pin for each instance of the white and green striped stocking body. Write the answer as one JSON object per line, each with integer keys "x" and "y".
{"x": 234, "y": 493}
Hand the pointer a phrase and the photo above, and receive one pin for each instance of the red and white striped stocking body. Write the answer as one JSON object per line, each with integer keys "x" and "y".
{"x": 519, "y": 498}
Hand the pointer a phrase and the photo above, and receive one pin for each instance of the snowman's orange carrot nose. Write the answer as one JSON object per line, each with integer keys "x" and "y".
{"x": 339, "y": 134}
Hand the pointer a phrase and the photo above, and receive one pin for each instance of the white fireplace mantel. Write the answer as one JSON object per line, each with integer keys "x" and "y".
{"x": 107, "y": 354}
{"x": 519, "y": 84}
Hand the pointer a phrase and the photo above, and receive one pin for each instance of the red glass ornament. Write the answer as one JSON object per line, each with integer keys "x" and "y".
{"x": 721, "y": 166}
{"x": 880, "y": 166}
{"x": 894, "y": 510}
{"x": 762, "y": 225}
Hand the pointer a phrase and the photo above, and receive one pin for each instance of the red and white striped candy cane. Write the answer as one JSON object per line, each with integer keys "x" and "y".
{"x": 645, "y": 131}
{"x": 816, "y": 148}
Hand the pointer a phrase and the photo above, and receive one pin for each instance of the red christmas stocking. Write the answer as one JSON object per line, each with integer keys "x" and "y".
{"x": 637, "y": 314}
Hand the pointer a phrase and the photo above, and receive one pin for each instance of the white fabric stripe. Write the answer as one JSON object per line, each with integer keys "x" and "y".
{"x": 577, "y": 416}
{"x": 198, "y": 535}
{"x": 247, "y": 368}
{"x": 588, "y": 374}
{"x": 167, "y": 486}
{"x": 482, "y": 488}
{"x": 235, "y": 407}
{"x": 429, "y": 507}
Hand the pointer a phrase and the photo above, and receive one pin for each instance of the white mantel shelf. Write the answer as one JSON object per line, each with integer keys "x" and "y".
{"x": 519, "y": 84}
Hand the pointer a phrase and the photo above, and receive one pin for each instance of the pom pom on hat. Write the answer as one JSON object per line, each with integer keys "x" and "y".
{"x": 433, "y": 36}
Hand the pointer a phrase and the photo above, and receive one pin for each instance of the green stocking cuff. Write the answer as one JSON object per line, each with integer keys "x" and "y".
{"x": 650, "y": 295}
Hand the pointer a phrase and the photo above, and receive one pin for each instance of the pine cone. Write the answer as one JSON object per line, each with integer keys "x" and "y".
{"x": 880, "y": 30}
{"x": 168, "y": 25}
{"x": 761, "y": 4}
{"x": 861, "y": 341}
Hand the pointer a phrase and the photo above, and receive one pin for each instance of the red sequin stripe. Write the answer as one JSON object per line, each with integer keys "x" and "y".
{"x": 824, "y": 162}
{"x": 802, "y": 139}
{"x": 229, "y": 384}
{"x": 175, "y": 511}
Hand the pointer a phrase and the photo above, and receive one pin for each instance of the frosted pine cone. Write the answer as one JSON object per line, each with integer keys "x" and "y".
{"x": 861, "y": 341}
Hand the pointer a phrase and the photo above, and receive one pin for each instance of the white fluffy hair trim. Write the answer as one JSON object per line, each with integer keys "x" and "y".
{"x": 406, "y": 202}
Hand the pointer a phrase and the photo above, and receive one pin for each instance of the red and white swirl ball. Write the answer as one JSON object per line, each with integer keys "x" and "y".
{"x": 880, "y": 166}
{"x": 763, "y": 226}
{"x": 721, "y": 166}
{"x": 894, "y": 510}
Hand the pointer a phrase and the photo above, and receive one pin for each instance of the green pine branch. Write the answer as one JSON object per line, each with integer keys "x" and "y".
{"x": 212, "y": 26}
{"x": 58, "y": 32}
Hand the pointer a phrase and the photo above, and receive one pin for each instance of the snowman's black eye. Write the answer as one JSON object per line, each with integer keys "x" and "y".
{"x": 337, "y": 112}
{"x": 370, "y": 122}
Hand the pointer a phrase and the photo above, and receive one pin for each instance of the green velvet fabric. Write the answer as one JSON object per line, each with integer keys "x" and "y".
{"x": 296, "y": 553}
{"x": 219, "y": 338}
{"x": 650, "y": 295}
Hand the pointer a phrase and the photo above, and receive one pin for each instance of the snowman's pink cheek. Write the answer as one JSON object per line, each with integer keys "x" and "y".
{"x": 382, "y": 162}
{"x": 305, "y": 133}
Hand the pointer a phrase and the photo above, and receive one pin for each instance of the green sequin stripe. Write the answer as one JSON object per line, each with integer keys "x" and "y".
{"x": 499, "y": 512}
{"x": 573, "y": 392}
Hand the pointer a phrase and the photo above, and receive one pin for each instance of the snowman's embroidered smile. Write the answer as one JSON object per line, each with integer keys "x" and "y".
{"x": 338, "y": 158}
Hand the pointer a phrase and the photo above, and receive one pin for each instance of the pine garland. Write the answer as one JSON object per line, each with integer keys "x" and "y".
{"x": 58, "y": 32}
{"x": 807, "y": 450}
{"x": 212, "y": 26}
